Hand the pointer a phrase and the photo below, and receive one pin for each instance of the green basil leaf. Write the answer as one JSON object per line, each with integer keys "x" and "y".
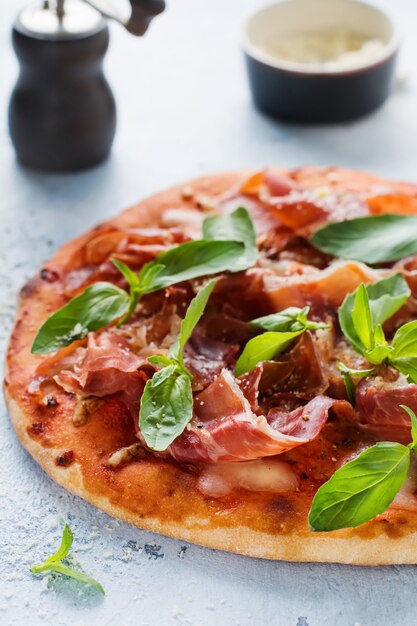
{"x": 54, "y": 563}
{"x": 64, "y": 548}
{"x": 413, "y": 418}
{"x": 229, "y": 244}
{"x": 97, "y": 306}
{"x": 385, "y": 298}
{"x": 160, "y": 360}
{"x": 134, "y": 286}
{"x": 148, "y": 274}
{"x": 348, "y": 374}
{"x": 190, "y": 321}
{"x": 361, "y": 489}
{"x": 193, "y": 260}
{"x": 361, "y": 318}
{"x": 236, "y": 226}
{"x": 131, "y": 277}
{"x": 404, "y": 353}
{"x": 288, "y": 320}
{"x": 166, "y": 407}
{"x": 263, "y": 348}
{"x": 374, "y": 239}
{"x": 378, "y": 354}
{"x": 81, "y": 577}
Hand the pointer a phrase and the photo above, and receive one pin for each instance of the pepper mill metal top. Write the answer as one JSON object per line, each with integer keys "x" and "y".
{"x": 68, "y": 19}
{"x": 62, "y": 114}
{"x": 44, "y": 21}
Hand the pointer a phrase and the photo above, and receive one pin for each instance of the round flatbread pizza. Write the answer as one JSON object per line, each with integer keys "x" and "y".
{"x": 233, "y": 362}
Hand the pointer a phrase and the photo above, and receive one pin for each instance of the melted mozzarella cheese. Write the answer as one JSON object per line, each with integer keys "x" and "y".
{"x": 220, "y": 479}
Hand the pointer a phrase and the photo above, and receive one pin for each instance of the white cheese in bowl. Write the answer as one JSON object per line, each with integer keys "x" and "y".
{"x": 328, "y": 50}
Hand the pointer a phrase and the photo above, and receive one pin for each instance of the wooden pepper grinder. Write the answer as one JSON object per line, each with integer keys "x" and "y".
{"x": 62, "y": 113}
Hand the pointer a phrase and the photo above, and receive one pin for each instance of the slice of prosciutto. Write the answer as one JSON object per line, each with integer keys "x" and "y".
{"x": 318, "y": 288}
{"x": 378, "y": 407}
{"x": 105, "y": 367}
{"x": 224, "y": 427}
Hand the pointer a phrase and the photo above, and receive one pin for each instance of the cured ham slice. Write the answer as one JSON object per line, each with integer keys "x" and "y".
{"x": 107, "y": 366}
{"x": 134, "y": 247}
{"x": 302, "y": 208}
{"x": 224, "y": 427}
{"x": 318, "y": 288}
{"x": 297, "y": 375}
{"x": 205, "y": 358}
{"x": 378, "y": 407}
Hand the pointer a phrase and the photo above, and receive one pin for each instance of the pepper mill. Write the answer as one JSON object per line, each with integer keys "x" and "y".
{"x": 62, "y": 113}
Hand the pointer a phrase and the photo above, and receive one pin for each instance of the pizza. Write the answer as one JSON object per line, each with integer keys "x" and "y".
{"x": 233, "y": 362}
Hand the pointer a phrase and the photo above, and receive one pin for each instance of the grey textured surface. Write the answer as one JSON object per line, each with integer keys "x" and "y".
{"x": 184, "y": 110}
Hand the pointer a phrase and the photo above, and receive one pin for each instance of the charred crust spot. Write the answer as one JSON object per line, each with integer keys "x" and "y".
{"x": 282, "y": 506}
{"x": 36, "y": 429}
{"x": 65, "y": 459}
{"x": 397, "y": 529}
{"x": 49, "y": 275}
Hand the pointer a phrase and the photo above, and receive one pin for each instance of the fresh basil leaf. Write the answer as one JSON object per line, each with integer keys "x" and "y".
{"x": 404, "y": 350}
{"x": 229, "y": 244}
{"x": 65, "y": 570}
{"x": 348, "y": 374}
{"x": 413, "y": 418}
{"x": 193, "y": 260}
{"x": 381, "y": 350}
{"x": 263, "y": 348}
{"x": 385, "y": 298}
{"x": 360, "y": 489}
{"x": 148, "y": 274}
{"x": 65, "y": 547}
{"x": 288, "y": 320}
{"x": 97, "y": 306}
{"x": 160, "y": 377}
{"x": 190, "y": 321}
{"x": 160, "y": 360}
{"x": 131, "y": 277}
{"x": 236, "y": 226}
{"x": 54, "y": 563}
{"x": 361, "y": 318}
{"x": 374, "y": 239}
{"x": 134, "y": 287}
{"x": 166, "y": 407}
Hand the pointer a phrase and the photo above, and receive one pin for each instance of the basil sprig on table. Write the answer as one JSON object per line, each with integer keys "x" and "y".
{"x": 55, "y": 563}
{"x": 166, "y": 405}
{"x": 364, "y": 487}
{"x": 282, "y": 328}
{"x": 361, "y": 317}
{"x": 372, "y": 239}
{"x": 229, "y": 244}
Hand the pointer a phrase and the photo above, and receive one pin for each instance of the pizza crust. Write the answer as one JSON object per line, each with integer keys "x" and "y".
{"x": 159, "y": 496}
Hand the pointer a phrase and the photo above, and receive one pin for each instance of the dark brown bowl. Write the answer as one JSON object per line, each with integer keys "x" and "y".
{"x": 307, "y": 92}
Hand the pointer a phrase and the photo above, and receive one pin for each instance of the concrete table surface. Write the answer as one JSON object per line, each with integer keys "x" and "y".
{"x": 184, "y": 110}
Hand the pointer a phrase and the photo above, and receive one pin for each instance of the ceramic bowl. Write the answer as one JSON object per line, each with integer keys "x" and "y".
{"x": 304, "y": 91}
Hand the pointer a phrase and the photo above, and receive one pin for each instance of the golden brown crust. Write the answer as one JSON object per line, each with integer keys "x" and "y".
{"x": 160, "y": 495}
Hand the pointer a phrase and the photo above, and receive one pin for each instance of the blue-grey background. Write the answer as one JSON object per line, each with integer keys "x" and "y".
{"x": 184, "y": 110}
